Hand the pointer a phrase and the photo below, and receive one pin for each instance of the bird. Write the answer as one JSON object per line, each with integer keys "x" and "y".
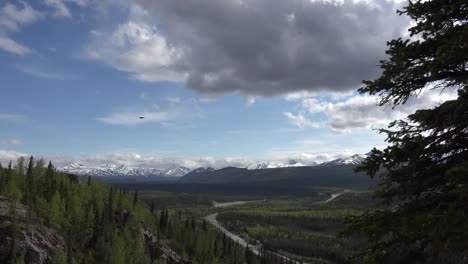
{"x": 142, "y": 117}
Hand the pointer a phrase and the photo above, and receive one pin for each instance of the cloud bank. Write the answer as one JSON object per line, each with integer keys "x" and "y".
{"x": 256, "y": 48}
{"x": 363, "y": 111}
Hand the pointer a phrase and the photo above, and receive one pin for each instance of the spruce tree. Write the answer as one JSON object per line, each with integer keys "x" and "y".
{"x": 48, "y": 182}
{"x": 29, "y": 187}
{"x": 424, "y": 184}
{"x": 135, "y": 198}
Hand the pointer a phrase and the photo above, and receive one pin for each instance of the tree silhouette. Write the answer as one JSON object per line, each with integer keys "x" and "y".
{"x": 424, "y": 171}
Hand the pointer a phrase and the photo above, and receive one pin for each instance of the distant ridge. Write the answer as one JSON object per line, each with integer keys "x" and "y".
{"x": 273, "y": 165}
{"x": 330, "y": 175}
{"x": 202, "y": 174}
{"x": 113, "y": 170}
{"x": 352, "y": 160}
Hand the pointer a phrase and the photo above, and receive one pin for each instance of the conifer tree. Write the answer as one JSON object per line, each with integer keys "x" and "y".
{"x": 29, "y": 187}
{"x": 424, "y": 187}
{"x": 49, "y": 178}
{"x": 135, "y": 198}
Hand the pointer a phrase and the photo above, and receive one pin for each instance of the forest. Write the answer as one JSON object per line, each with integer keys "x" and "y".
{"x": 102, "y": 224}
{"x": 301, "y": 228}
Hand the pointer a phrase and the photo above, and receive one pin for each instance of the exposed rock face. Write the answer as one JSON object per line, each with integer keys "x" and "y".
{"x": 157, "y": 249}
{"x": 36, "y": 243}
{"x": 160, "y": 249}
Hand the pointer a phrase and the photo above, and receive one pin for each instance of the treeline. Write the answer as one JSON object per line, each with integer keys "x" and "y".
{"x": 102, "y": 224}
{"x": 89, "y": 215}
{"x": 298, "y": 227}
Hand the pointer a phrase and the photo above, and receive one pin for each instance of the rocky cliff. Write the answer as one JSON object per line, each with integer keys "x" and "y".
{"x": 23, "y": 238}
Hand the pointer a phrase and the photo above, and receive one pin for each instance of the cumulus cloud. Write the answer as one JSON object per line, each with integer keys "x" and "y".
{"x": 362, "y": 111}
{"x": 300, "y": 120}
{"x": 10, "y": 155}
{"x": 257, "y": 47}
{"x": 134, "y": 159}
{"x": 137, "y": 48}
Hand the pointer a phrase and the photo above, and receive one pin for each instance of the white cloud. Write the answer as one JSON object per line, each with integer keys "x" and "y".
{"x": 14, "y": 47}
{"x": 139, "y": 49}
{"x": 10, "y": 155}
{"x": 61, "y": 8}
{"x": 362, "y": 111}
{"x": 12, "y": 18}
{"x": 150, "y": 160}
{"x": 301, "y": 121}
{"x": 133, "y": 118}
{"x": 251, "y": 100}
{"x": 12, "y": 141}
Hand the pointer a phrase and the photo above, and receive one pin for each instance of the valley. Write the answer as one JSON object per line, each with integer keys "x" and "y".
{"x": 295, "y": 228}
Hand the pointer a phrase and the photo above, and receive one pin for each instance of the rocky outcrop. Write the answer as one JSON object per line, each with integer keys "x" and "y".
{"x": 160, "y": 248}
{"x": 157, "y": 249}
{"x": 34, "y": 242}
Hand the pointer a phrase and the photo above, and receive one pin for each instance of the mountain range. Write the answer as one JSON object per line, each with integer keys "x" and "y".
{"x": 273, "y": 165}
{"x": 109, "y": 170}
{"x": 176, "y": 171}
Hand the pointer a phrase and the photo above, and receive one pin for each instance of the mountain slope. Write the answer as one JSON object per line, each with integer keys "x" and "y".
{"x": 196, "y": 173}
{"x": 273, "y": 165}
{"x": 113, "y": 170}
{"x": 337, "y": 175}
{"x": 352, "y": 160}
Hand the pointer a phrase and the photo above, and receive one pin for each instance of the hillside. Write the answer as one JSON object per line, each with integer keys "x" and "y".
{"x": 338, "y": 175}
{"x": 47, "y": 216}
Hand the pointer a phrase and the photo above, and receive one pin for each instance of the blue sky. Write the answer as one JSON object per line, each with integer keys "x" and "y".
{"x": 77, "y": 74}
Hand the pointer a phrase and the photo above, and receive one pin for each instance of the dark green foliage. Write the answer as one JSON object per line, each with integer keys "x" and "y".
{"x": 425, "y": 186}
{"x": 83, "y": 213}
{"x": 298, "y": 226}
{"x": 135, "y": 198}
{"x": 103, "y": 225}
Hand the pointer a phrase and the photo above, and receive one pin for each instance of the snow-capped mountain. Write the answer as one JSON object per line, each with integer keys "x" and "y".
{"x": 352, "y": 160}
{"x": 73, "y": 166}
{"x": 265, "y": 165}
{"x": 293, "y": 163}
{"x": 273, "y": 165}
{"x": 111, "y": 170}
{"x": 175, "y": 171}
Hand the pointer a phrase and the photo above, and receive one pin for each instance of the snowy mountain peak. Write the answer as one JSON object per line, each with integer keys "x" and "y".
{"x": 273, "y": 165}
{"x": 175, "y": 171}
{"x": 111, "y": 170}
{"x": 265, "y": 165}
{"x": 73, "y": 166}
{"x": 351, "y": 160}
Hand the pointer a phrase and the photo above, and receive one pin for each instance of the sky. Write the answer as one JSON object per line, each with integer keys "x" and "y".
{"x": 219, "y": 83}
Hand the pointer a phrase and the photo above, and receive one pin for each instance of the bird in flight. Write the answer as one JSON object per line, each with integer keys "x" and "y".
{"x": 142, "y": 117}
